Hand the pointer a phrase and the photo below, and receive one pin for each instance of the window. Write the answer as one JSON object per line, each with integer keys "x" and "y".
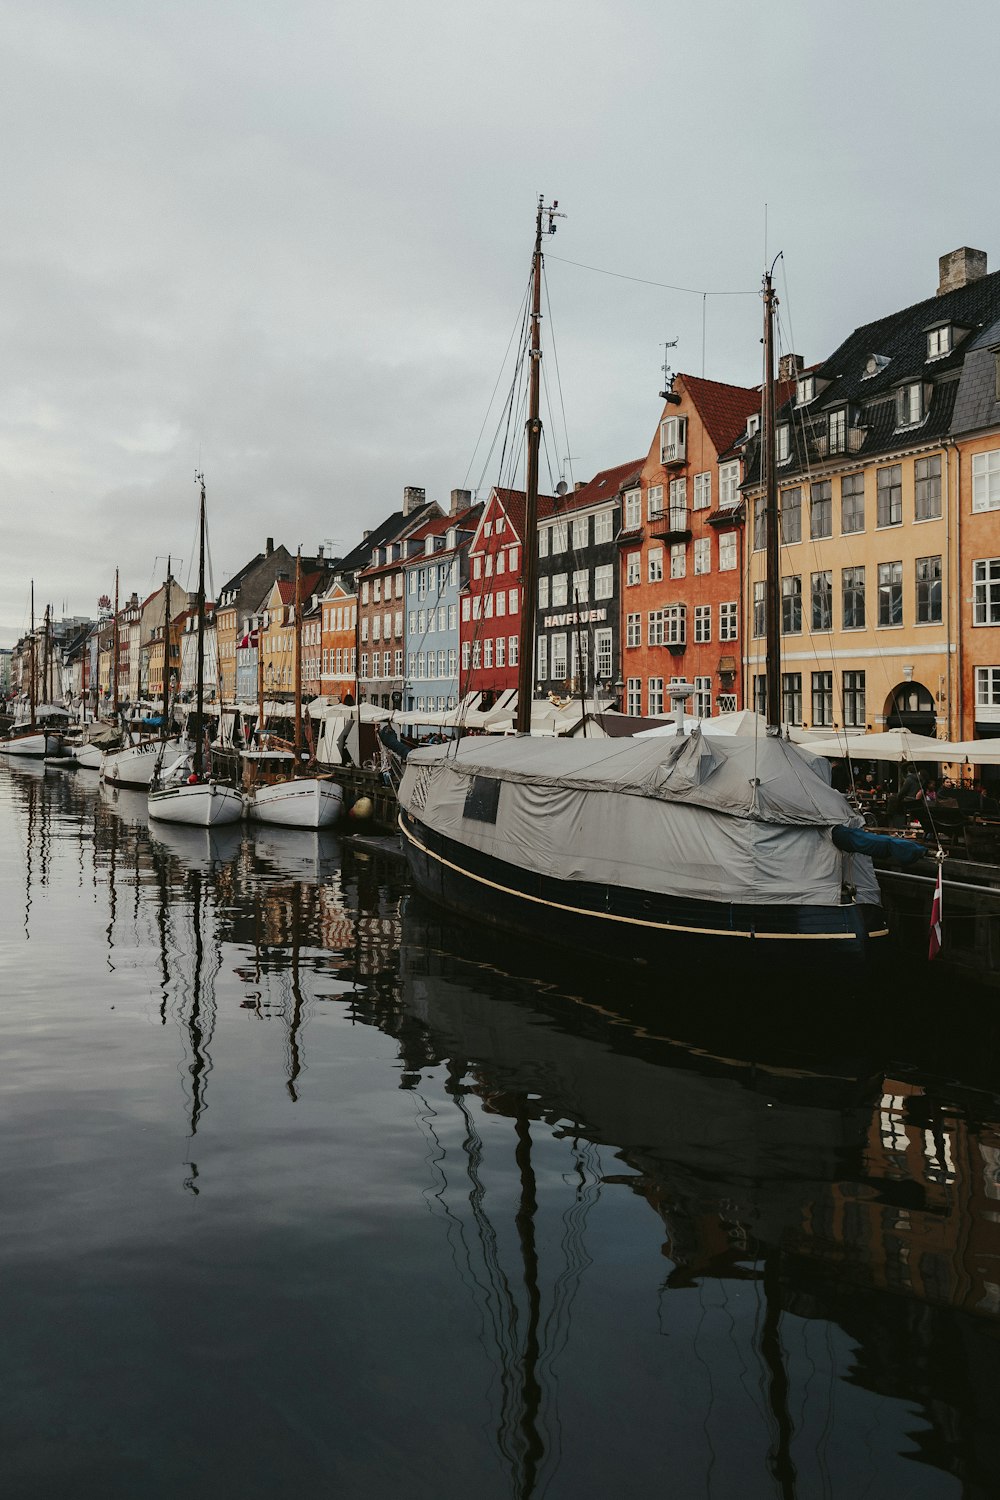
{"x": 760, "y": 693}
{"x": 703, "y": 490}
{"x": 729, "y": 485}
{"x": 821, "y": 600}
{"x": 853, "y": 598}
{"x": 543, "y": 658}
{"x": 938, "y": 342}
{"x": 466, "y": 648}
{"x": 655, "y": 695}
{"x": 364, "y": 626}
{"x": 500, "y": 606}
{"x": 602, "y": 650}
{"x": 452, "y": 616}
{"x": 477, "y": 607}
{"x": 501, "y": 561}
{"x": 412, "y": 623}
{"x": 986, "y": 591}
{"x": 477, "y": 567}
{"x": 890, "y": 593}
{"x": 487, "y": 606}
{"x": 927, "y": 488}
{"x": 678, "y": 560}
{"x": 633, "y": 630}
{"x": 986, "y": 480}
{"x": 604, "y": 581}
{"x": 781, "y": 443}
{"x": 489, "y": 565}
{"x": 655, "y": 628}
{"x": 512, "y": 645}
{"x": 854, "y": 700}
{"x": 678, "y": 504}
{"x": 654, "y": 502}
{"x": 673, "y": 440}
{"x": 364, "y": 592}
{"x": 837, "y": 429}
{"x": 560, "y": 536}
{"x": 805, "y": 390}
{"x": 760, "y": 523}
{"x": 654, "y": 560}
{"x": 512, "y": 604}
{"x": 543, "y": 541}
{"x": 791, "y": 697}
{"x": 909, "y": 404}
{"x": 604, "y": 529}
{"x": 466, "y": 607}
{"x": 729, "y": 620}
{"x": 852, "y": 502}
{"x": 377, "y": 590}
{"x": 821, "y": 509}
{"x": 501, "y": 645}
{"x": 560, "y": 589}
{"x": 364, "y": 663}
{"x": 543, "y": 592}
{"x": 791, "y": 516}
{"x": 413, "y": 581}
{"x": 558, "y": 648}
{"x": 581, "y": 532}
{"x": 398, "y": 663}
{"x": 397, "y": 623}
{"x": 791, "y": 605}
{"x": 477, "y": 655}
{"x": 634, "y": 568}
{"x": 488, "y": 529}
{"x": 703, "y": 554}
{"x": 676, "y": 620}
{"x": 581, "y": 586}
{"x": 702, "y": 624}
{"x": 501, "y": 525}
{"x": 890, "y": 496}
{"x": 928, "y": 590}
{"x": 579, "y": 674}
{"x": 727, "y": 552}
{"x": 988, "y": 687}
{"x": 759, "y": 609}
{"x": 703, "y": 697}
{"x": 634, "y": 696}
{"x": 822, "y": 698}
{"x": 633, "y": 510}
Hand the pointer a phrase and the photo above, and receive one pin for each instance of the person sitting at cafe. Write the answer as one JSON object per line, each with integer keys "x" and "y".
{"x": 946, "y": 796}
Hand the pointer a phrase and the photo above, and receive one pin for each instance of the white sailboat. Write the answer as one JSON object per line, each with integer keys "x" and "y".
{"x": 34, "y": 734}
{"x": 279, "y": 792}
{"x": 135, "y": 765}
{"x": 185, "y": 793}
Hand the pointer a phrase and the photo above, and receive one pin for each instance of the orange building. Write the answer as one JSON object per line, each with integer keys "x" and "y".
{"x": 338, "y": 643}
{"x": 681, "y": 544}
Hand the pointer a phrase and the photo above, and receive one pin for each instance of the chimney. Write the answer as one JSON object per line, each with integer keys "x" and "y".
{"x": 960, "y": 267}
{"x": 270, "y": 545}
{"x": 413, "y": 499}
{"x": 460, "y": 500}
{"x": 581, "y": 484}
{"x": 790, "y": 366}
{"x": 365, "y": 535}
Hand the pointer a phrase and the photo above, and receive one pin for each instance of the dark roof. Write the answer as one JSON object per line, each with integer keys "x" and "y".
{"x": 360, "y": 556}
{"x": 900, "y": 343}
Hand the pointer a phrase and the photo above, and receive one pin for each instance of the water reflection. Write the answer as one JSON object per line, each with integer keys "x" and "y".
{"x": 659, "y": 1237}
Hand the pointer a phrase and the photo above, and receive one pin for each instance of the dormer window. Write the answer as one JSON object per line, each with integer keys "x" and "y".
{"x": 753, "y": 425}
{"x": 910, "y": 404}
{"x": 874, "y": 365}
{"x": 837, "y": 430}
{"x": 782, "y": 448}
{"x": 939, "y": 342}
{"x": 805, "y": 390}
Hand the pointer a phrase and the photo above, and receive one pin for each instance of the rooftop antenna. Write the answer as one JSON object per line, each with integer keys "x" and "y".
{"x": 667, "y": 394}
{"x": 562, "y": 487}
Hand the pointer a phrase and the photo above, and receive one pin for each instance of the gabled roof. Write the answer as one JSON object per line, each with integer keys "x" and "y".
{"x": 513, "y": 502}
{"x": 391, "y": 528}
{"x": 286, "y": 588}
{"x": 723, "y": 409}
{"x": 465, "y": 520}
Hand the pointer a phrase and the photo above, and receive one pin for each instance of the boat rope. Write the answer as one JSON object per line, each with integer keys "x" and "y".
{"x": 667, "y": 286}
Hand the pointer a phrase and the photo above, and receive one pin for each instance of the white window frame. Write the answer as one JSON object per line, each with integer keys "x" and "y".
{"x": 703, "y": 554}
{"x": 986, "y": 480}
{"x": 729, "y": 485}
{"x": 702, "y": 491}
{"x": 986, "y": 591}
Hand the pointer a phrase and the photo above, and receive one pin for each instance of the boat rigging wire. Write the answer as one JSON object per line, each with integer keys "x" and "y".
{"x": 667, "y": 286}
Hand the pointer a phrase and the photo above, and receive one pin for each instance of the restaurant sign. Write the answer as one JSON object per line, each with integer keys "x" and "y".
{"x": 575, "y": 617}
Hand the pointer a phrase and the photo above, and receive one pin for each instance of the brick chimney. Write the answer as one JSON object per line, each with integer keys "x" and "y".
{"x": 959, "y": 267}
{"x": 270, "y": 545}
{"x": 790, "y": 366}
{"x": 413, "y": 499}
{"x": 460, "y": 500}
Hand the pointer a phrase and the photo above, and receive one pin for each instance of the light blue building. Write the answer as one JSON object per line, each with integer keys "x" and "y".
{"x": 435, "y": 577}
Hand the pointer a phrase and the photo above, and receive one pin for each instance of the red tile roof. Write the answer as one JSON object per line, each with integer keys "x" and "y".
{"x": 513, "y": 502}
{"x": 607, "y": 484}
{"x": 723, "y": 408}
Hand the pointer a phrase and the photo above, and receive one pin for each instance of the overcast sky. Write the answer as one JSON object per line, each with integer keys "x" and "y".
{"x": 286, "y": 240}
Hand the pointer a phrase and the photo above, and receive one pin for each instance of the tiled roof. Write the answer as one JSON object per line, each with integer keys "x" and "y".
{"x": 606, "y": 485}
{"x": 513, "y": 502}
{"x": 723, "y": 408}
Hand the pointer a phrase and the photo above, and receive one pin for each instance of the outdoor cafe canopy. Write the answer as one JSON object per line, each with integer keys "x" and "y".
{"x": 902, "y": 745}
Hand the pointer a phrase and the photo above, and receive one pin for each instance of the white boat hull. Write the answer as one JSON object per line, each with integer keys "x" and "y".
{"x": 89, "y": 756}
{"x": 203, "y": 804}
{"x": 134, "y": 766}
{"x": 32, "y": 746}
{"x": 306, "y": 802}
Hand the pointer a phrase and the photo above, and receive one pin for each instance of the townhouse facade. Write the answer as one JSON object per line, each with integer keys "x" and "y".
{"x": 435, "y": 578}
{"x": 277, "y": 634}
{"x": 681, "y": 547}
{"x": 338, "y": 642}
{"x": 578, "y": 619}
{"x": 241, "y": 599}
{"x": 490, "y": 612}
{"x": 872, "y": 488}
{"x": 382, "y": 604}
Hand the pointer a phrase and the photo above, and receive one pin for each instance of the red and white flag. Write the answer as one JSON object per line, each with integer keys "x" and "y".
{"x": 934, "y": 947}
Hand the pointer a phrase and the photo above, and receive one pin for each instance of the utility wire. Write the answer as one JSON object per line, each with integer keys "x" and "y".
{"x": 644, "y": 281}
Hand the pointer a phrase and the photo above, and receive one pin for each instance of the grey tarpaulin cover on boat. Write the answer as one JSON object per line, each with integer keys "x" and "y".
{"x": 719, "y": 819}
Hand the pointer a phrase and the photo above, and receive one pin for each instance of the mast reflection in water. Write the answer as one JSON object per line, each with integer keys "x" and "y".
{"x": 307, "y": 1193}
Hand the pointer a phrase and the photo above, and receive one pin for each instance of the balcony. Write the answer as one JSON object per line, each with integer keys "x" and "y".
{"x": 671, "y": 525}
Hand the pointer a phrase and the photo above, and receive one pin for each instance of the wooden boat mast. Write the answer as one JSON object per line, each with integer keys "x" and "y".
{"x": 298, "y": 658}
{"x": 772, "y": 586}
{"x": 166, "y": 653}
{"x": 199, "y": 710}
{"x": 114, "y": 654}
{"x": 533, "y": 427}
{"x": 32, "y": 699}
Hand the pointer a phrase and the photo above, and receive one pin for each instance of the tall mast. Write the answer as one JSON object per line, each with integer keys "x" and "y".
{"x": 34, "y": 659}
{"x": 298, "y": 656}
{"x": 199, "y": 711}
{"x": 45, "y": 659}
{"x": 260, "y": 680}
{"x": 114, "y": 652}
{"x": 166, "y": 654}
{"x": 529, "y": 542}
{"x": 772, "y": 587}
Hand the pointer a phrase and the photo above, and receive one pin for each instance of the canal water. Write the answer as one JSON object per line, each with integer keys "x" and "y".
{"x": 308, "y": 1192}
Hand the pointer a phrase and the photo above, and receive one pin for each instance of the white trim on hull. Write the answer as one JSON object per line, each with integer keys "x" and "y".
{"x": 134, "y": 766}
{"x": 306, "y": 802}
{"x": 203, "y": 804}
{"x": 33, "y": 745}
{"x": 91, "y": 757}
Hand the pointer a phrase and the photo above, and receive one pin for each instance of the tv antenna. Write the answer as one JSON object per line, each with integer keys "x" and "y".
{"x": 668, "y": 374}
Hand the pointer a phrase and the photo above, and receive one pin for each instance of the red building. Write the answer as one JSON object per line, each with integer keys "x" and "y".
{"x": 490, "y": 625}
